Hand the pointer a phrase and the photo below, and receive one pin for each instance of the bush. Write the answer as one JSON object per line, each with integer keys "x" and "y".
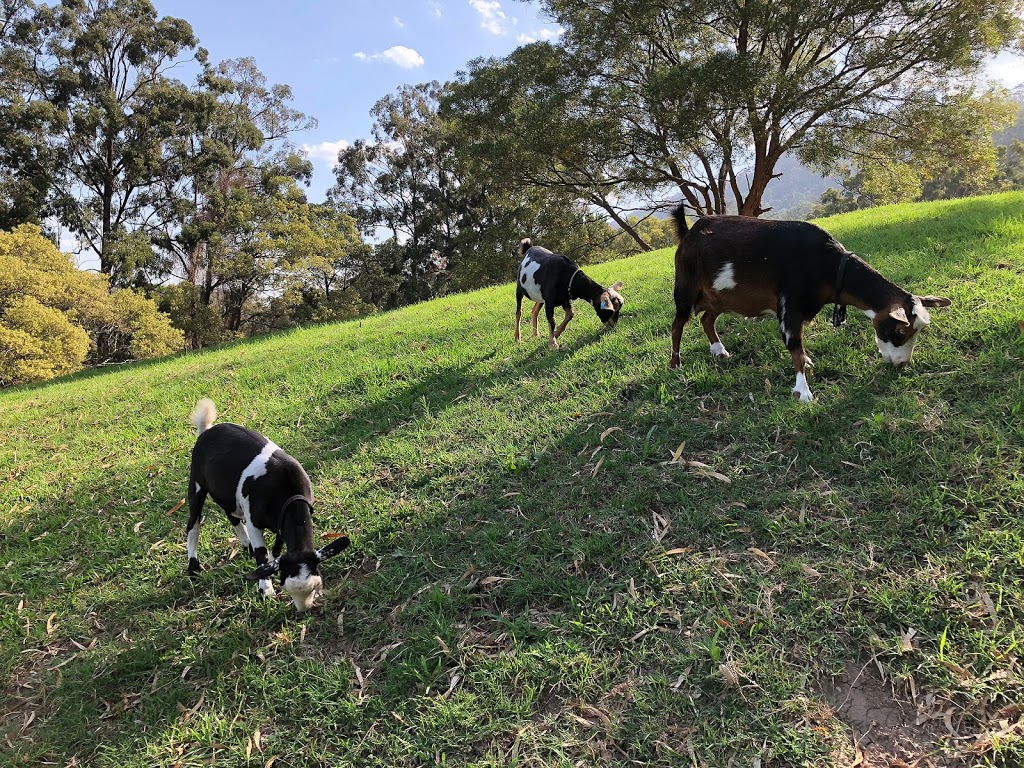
{"x": 37, "y": 343}
{"x": 54, "y": 317}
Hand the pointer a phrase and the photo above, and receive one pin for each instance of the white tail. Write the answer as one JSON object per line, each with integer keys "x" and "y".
{"x": 203, "y": 415}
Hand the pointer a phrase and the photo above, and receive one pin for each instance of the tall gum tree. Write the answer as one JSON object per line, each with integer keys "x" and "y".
{"x": 707, "y": 95}
{"x": 106, "y": 66}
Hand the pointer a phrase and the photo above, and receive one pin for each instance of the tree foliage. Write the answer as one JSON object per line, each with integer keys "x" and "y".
{"x": 705, "y": 96}
{"x": 54, "y": 317}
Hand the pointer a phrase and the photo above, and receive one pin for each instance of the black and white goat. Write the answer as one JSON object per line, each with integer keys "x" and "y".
{"x": 260, "y": 487}
{"x": 553, "y": 280}
{"x": 790, "y": 269}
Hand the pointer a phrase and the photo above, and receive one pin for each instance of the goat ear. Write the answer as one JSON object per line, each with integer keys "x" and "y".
{"x": 617, "y": 286}
{"x": 332, "y": 549}
{"x": 934, "y": 301}
{"x": 899, "y": 314}
{"x": 265, "y": 571}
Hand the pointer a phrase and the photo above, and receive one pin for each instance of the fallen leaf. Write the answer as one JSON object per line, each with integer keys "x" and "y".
{"x": 51, "y": 625}
{"x": 609, "y": 431}
{"x": 594, "y": 712}
{"x": 136, "y": 527}
{"x": 494, "y": 580}
{"x": 599, "y": 463}
{"x": 716, "y": 475}
{"x": 906, "y": 640}
{"x": 962, "y": 673}
{"x": 762, "y": 555}
{"x": 257, "y": 740}
{"x": 810, "y": 572}
{"x": 679, "y": 551}
{"x": 331, "y": 536}
{"x": 731, "y": 678}
{"x": 175, "y": 508}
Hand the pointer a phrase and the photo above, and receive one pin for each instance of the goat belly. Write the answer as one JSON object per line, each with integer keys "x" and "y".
{"x": 739, "y": 301}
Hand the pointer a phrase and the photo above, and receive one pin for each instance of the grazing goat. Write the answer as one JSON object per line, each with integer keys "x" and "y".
{"x": 260, "y": 487}
{"x": 553, "y": 280}
{"x": 790, "y": 269}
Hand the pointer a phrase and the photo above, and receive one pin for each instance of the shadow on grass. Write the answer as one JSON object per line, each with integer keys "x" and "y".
{"x": 501, "y": 613}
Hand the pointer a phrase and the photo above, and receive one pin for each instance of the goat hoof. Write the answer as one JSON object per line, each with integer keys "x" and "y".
{"x": 718, "y": 350}
{"x": 673, "y": 363}
{"x": 194, "y": 568}
{"x": 805, "y": 395}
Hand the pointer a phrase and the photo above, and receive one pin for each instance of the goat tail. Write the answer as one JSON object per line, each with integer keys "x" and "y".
{"x": 525, "y": 245}
{"x": 679, "y": 216}
{"x": 204, "y": 415}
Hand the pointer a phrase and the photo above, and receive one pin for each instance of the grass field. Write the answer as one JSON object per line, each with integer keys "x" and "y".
{"x": 538, "y": 574}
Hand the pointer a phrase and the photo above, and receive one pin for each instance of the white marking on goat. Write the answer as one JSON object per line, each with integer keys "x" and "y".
{"x": 896, "y": 355}
{"x": 257, "y": 468}
{"x": 718, "y": 350}
{"x": 802, "y": 389}
{"x": 725, "y": 280}
{"x": 193, "y": 540}
{"x": 303, "y": 588}
{"x": 198, "y": 488}
{"x": 870, "y": 313}
{"x": 527, "y": 279}
{"x": 921, "y": 316}
{"x": 243, "y": 537}
{"x": 782, "y": 319}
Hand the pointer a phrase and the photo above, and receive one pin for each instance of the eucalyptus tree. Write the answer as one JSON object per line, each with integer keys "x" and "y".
{"x": 443, "y": 220}
{"x": 705, "y": 96}
{"x": 26, "y": 158}
{"x": 106, "y": 67}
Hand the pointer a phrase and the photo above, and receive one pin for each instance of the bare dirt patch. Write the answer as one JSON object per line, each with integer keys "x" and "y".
{"x": 887, "y": 727}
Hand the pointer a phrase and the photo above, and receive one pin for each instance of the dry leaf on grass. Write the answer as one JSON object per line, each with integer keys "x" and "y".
{"x": 729, "y": 674}
{"x": 810, "y": 572}
{"x": 51, "y": 625}
{"x": 907, "y": 640}
{"x": 763, "y": 556}
{"x": 175, "y": 508}
{"x": 609, "y": 431}
{"x": 487, "y": 581}
{"x": 661, "y": 527}
{"x": 599, "y": 463}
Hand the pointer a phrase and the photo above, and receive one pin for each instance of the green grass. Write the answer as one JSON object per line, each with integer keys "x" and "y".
{"x": 505, "y": 602}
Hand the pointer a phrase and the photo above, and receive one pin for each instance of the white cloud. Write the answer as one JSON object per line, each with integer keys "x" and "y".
{"x": 492, "y": 18}
{"x": 399, "y": 55}
{"x": 544, "y": 34}
{"x": 398, "y": 22}
{"x": 326, "y": 151}
{"x": 436, "y": 8}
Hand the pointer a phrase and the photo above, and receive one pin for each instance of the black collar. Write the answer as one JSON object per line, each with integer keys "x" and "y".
{"x": 284, "y": 508}
{"x": 839, "y": 313}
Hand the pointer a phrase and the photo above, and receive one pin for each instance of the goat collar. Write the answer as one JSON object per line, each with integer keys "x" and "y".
{"x": 297, "y": 497}
{"x": 569, "y": 289}
{"x": 284, "y": 508}
{"x": 839, "y": 313}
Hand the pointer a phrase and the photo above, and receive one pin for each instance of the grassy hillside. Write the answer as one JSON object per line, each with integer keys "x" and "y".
{"x": 533, "y": 580}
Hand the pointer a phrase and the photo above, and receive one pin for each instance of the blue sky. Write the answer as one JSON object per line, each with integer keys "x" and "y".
{"x": 341, "y": 56}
